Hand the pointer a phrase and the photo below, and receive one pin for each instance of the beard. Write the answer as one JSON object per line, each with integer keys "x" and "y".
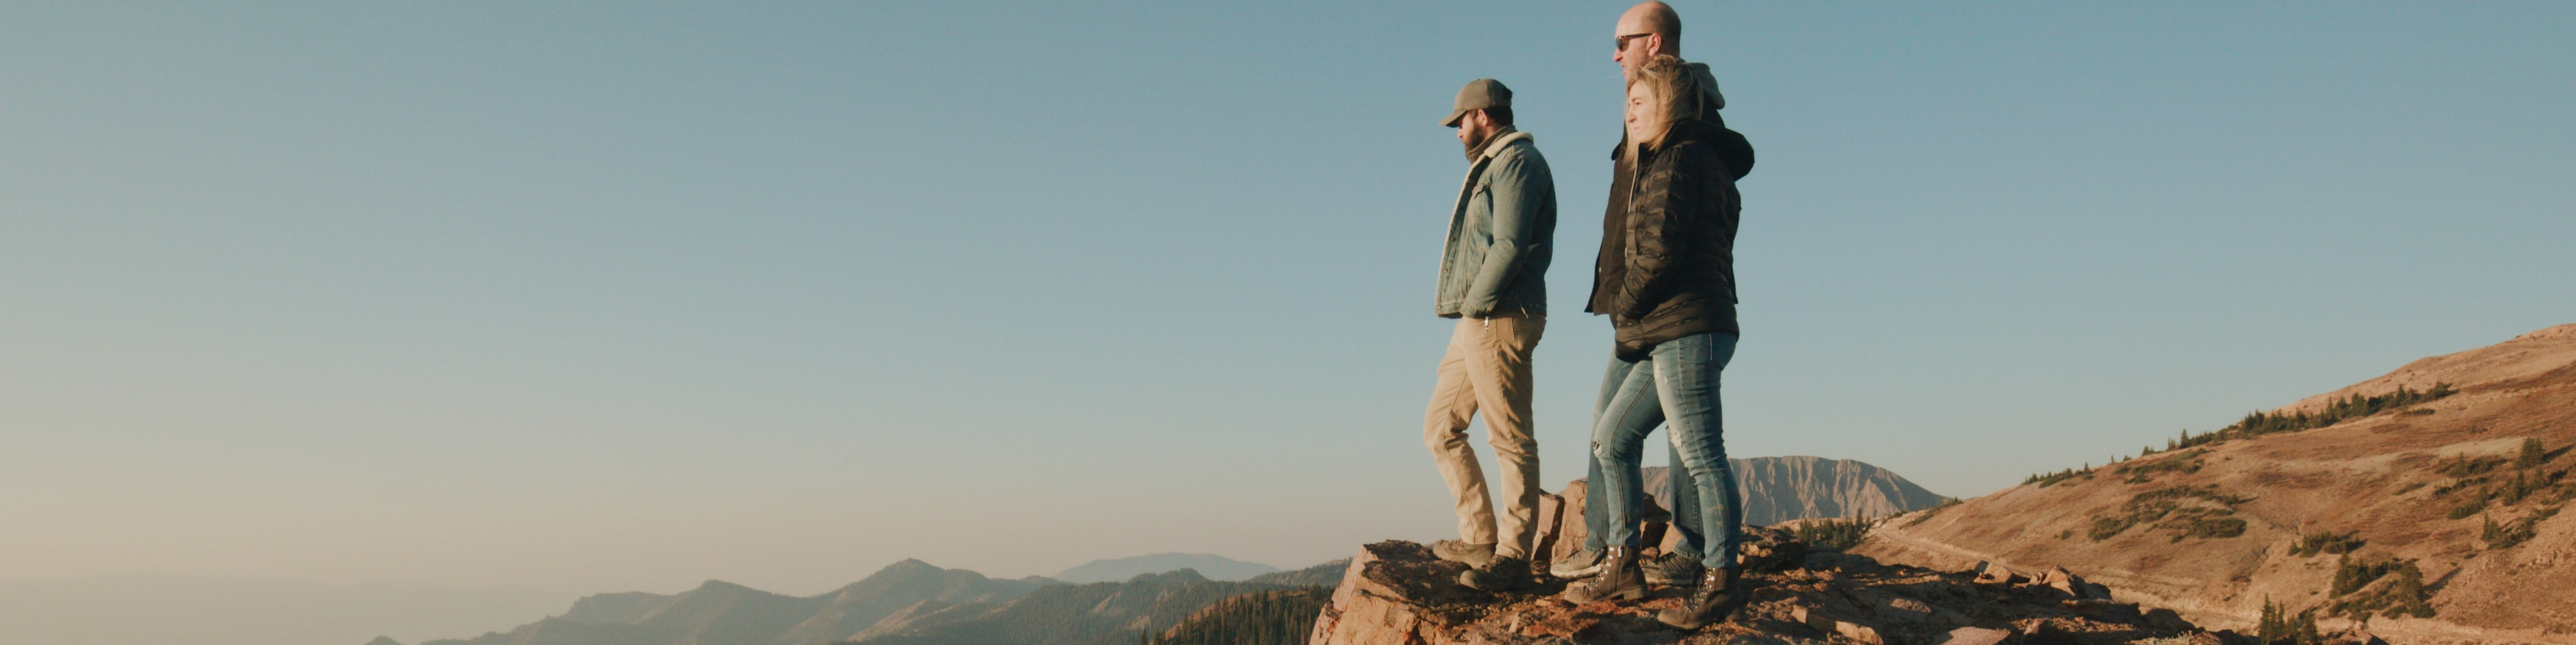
{"x": 1475, "y": 143}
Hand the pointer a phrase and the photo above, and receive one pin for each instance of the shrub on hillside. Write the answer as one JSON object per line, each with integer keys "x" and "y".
{"x": 2213, "y": 527}
{"x": 2185, "y": 463}
{"x": 2186, "y": 511}
{"x": 1833, "y": 535}
{"x": 2400, "y": 591}
{"x": 2324, "y": 542}
{"x": 2045, "y": 480}
{"x": 2278, "y": 627}
{"x": 2508, "y": 534}
{"x": 2468, "y": 508}
{"x": 2356, "y": 406}
{"x": 2465, "y": 467}
{"x": 2351, "y": 574}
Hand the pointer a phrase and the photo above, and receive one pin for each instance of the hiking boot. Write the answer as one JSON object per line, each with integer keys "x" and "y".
{"x": 1499, "y": 574}
{"x": 1671, "y": 569}
{"x": 1582, "y": 563}
{"x": 1474, "y": 555}
{"x": 1619, "y": 578}
{"x": 1719, "y": 595}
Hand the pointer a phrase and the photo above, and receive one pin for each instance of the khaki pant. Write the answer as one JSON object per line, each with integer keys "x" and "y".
{"x": 1488, "y": 368}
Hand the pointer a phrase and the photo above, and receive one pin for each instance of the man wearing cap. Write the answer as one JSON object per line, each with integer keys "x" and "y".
{"x": 1492, "y": 279}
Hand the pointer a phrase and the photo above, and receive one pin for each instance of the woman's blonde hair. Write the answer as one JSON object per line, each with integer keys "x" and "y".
{"x": 1676, "y": 95}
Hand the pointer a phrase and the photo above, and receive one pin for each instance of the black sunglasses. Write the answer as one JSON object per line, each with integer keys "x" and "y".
{"x": 1621, "y": 43}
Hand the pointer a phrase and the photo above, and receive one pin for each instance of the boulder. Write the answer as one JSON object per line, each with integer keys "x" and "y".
{"x": 1770, "y": 549}
{"x": 1973, "y": 636}
{"x": 1568, "y": 522}
{"x": 2066, "y": 582}
{"x": 2046, "y": 632}
{"x": 1995, "y": 574}
{"x": 2118, "y": 612}
{"x": 2161, "y": 618}
{"x": 1830, "y": 622}
{"x": 1840, "y": 561}
{"x": 1395, "y": 592}
{"x": 1550, "y": 517}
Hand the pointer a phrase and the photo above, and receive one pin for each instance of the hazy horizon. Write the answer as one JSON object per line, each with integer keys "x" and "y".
{"x": 598, "y": 297}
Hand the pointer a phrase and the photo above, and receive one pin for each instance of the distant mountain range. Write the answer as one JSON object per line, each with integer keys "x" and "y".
{"x": 1780, "y": 489}
{"x": 133, "y": 609}
{"x": 907, "y": 603}
{"x": 1105, "y": 602}
{"x": 722, "y": 613}
{"x": 1214, "y": 567}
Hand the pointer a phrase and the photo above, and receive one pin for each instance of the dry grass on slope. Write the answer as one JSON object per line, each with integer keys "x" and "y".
{"x": 2448, "y": 507}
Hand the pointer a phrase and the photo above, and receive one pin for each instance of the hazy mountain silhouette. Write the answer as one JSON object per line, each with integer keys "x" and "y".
{"x": 1326, "y": 574}
{"x": 1101, "y": 613}
{"x": 201, "y": 610}
{"x": 1213, "y": 567}
{"x": 722, "y": 613}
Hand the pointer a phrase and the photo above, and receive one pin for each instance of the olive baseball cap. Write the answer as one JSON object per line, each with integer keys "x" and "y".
{"x": 1477, "y": 95}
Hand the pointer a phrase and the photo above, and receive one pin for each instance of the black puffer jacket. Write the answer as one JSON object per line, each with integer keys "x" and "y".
{"x": 1732, "y": 148}
{"x": 1677, "y": 243}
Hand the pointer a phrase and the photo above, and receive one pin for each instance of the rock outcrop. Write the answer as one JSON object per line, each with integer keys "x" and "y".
{"x": 1396, "y": 593}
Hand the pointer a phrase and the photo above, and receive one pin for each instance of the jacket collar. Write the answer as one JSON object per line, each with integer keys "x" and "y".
{"x": 1496, "y": 146}
{"x": 1684, "y": 130}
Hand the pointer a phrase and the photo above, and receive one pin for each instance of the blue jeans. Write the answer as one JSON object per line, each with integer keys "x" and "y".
{"x": 1647, "y": 413}
{"x": 1677, "y": 384}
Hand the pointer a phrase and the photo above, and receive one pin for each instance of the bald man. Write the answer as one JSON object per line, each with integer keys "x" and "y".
{"x": 1646, "y": 30}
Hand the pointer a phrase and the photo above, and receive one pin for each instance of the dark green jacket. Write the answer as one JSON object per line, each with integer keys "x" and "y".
{"x": 1500, "y": 234}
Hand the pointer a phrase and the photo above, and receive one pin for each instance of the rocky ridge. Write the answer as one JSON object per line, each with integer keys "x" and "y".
{"x": 1395, "y": 592}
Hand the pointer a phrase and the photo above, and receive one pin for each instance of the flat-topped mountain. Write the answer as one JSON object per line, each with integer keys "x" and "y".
{"x": 2425, "y": 502}
{"x": 1780, "y": 489}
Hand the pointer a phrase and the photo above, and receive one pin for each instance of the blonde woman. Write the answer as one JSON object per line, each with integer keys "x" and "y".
{"x": 1670, "y": 294}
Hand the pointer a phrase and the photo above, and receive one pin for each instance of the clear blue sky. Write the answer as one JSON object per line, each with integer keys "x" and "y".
{"x": 609, "y": 296}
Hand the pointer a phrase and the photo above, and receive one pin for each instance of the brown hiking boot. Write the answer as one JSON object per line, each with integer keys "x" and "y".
{"x": 1619, "y": 578}
{"x": 1671, "y": 569}
{"x": 1720, "y": 593}
{"x": 1499, "y": 574}
{"x": 1473, "y": 555}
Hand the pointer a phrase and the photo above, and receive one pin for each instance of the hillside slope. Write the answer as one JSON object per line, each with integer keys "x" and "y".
{"x": 2409, "y": 498}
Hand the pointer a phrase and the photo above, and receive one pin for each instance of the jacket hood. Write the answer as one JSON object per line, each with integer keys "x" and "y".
{"x": 1707, "y": 82}
{"x": 1692, "y": 130}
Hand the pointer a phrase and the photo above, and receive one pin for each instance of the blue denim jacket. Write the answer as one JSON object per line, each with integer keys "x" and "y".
{"x": 1500, "y": 234}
